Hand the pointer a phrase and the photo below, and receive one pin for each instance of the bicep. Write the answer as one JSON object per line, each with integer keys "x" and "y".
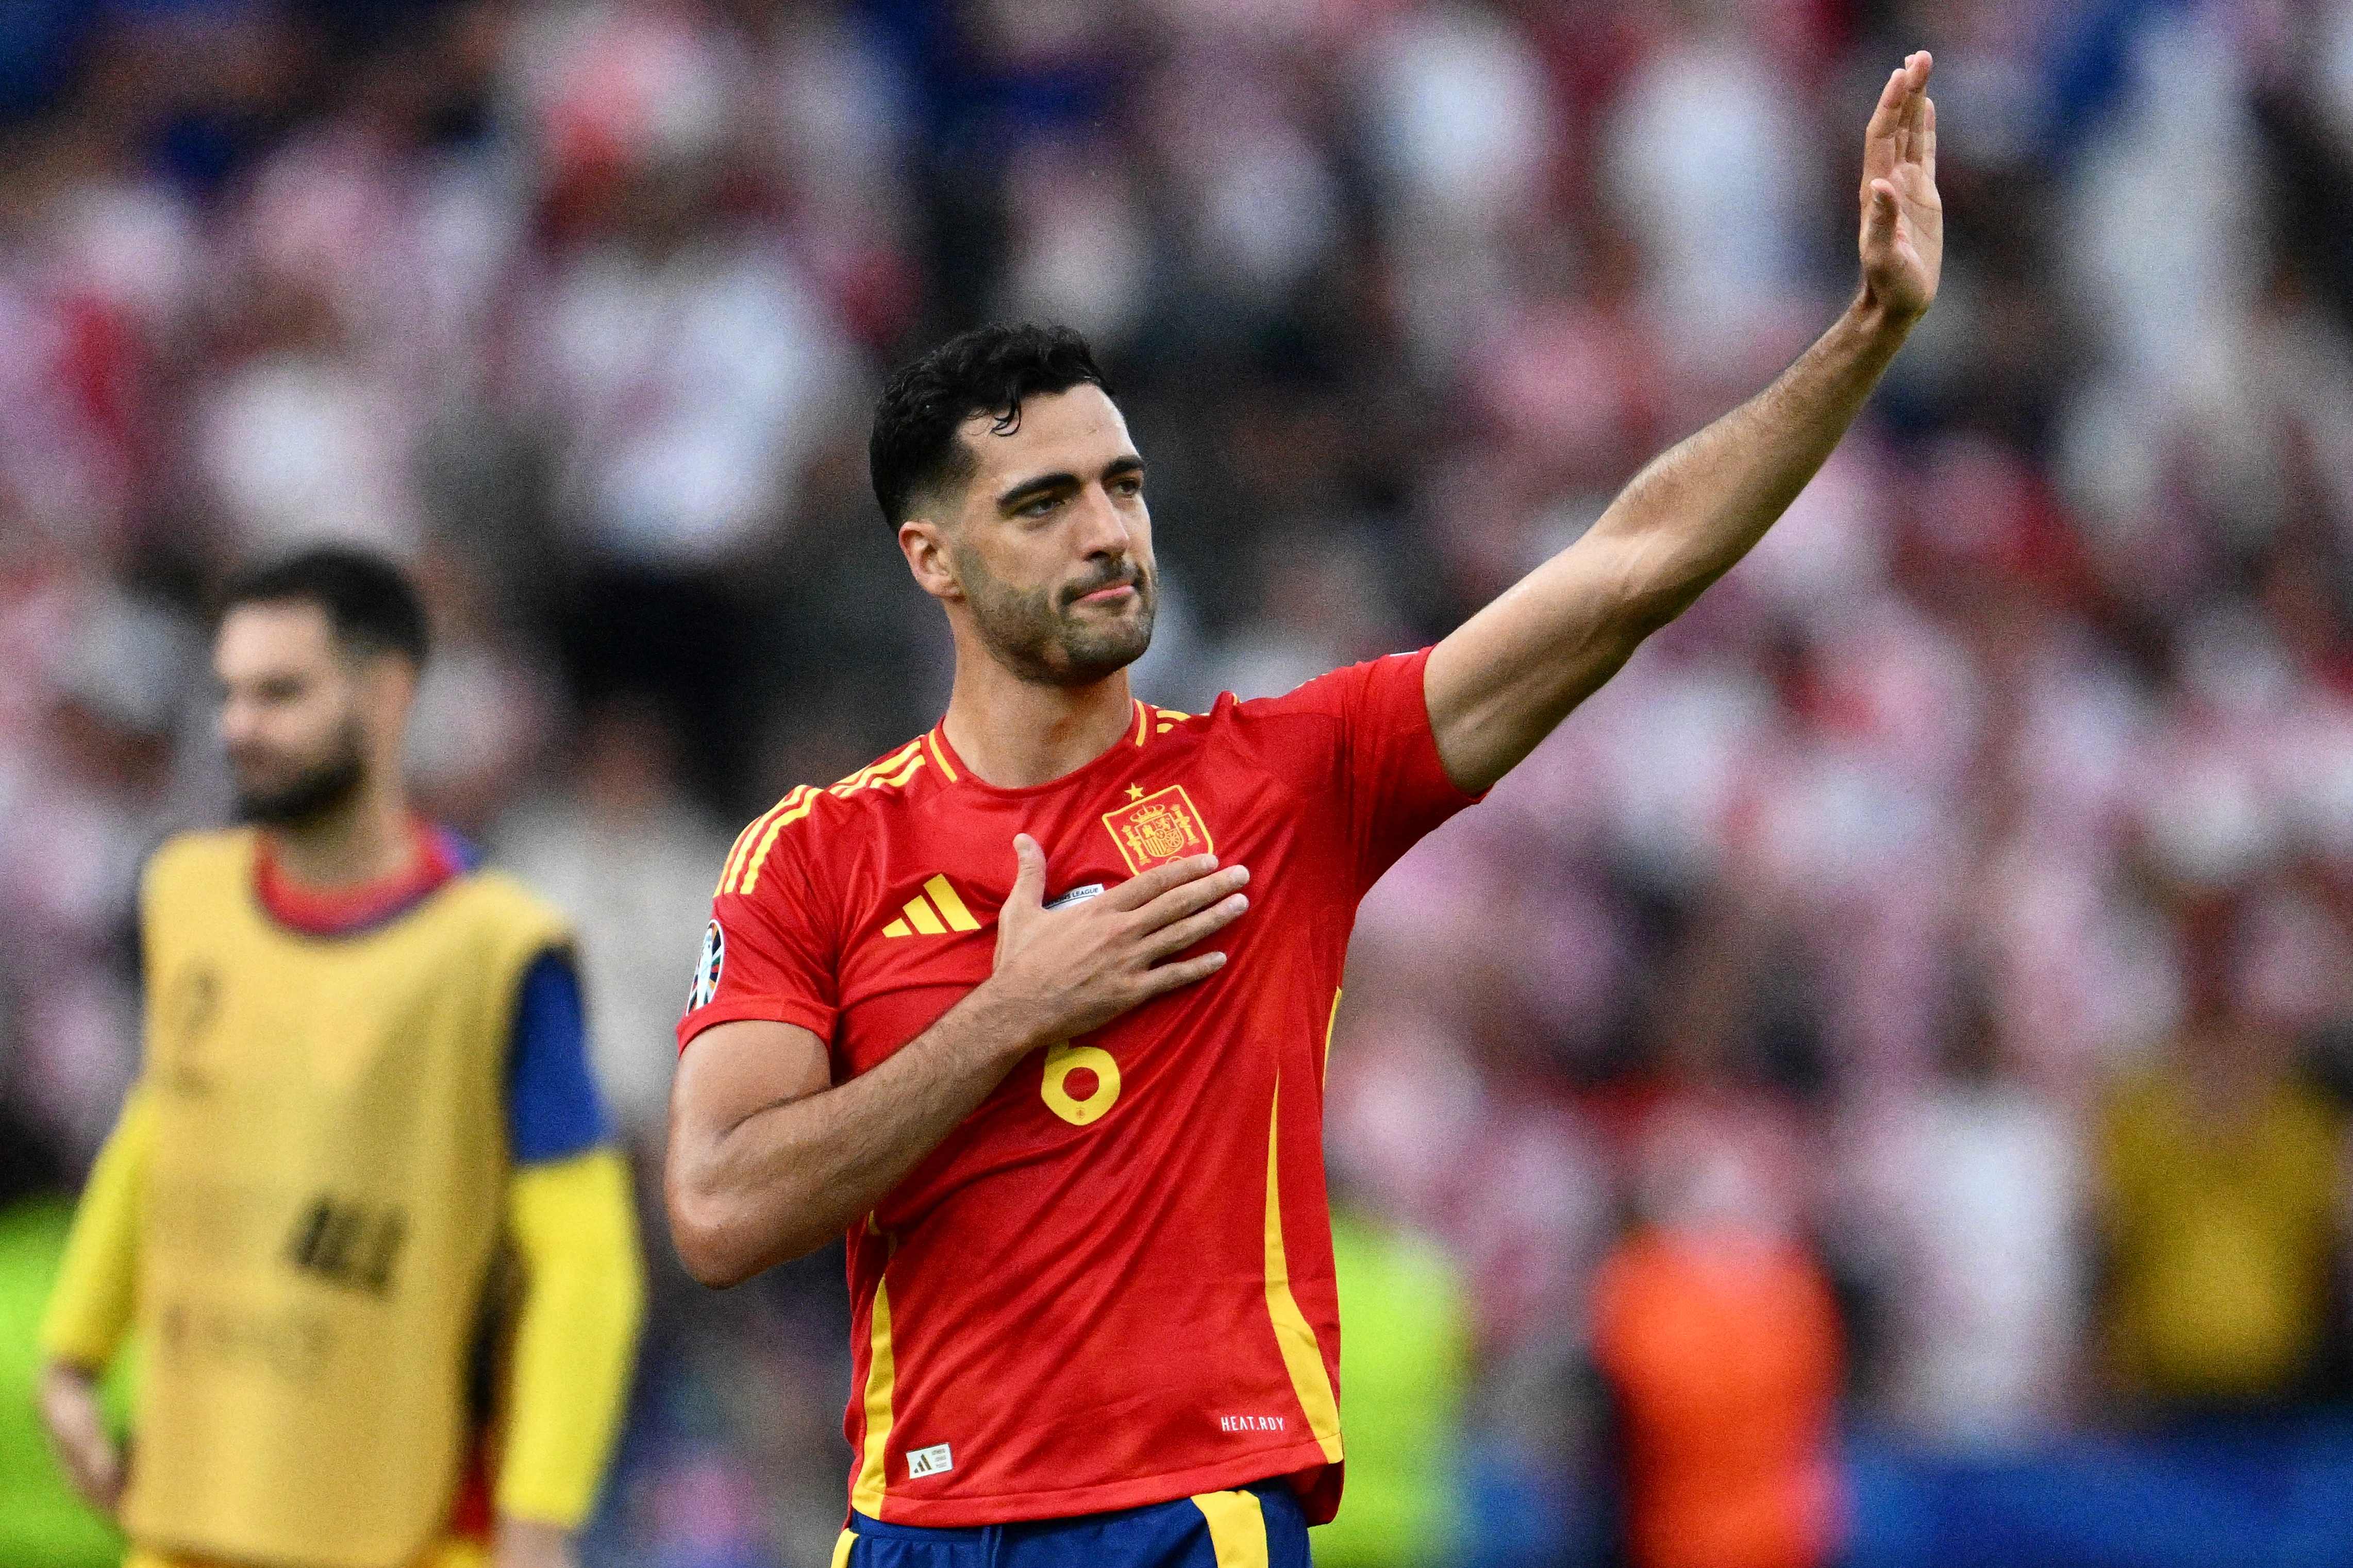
{"x": 732, "y": 1071}
{"x": 1500, "y": 682}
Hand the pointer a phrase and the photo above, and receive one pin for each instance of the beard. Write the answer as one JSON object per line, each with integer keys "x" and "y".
{"x": 1041, "y": 636}
{"x": 313, "y": 793}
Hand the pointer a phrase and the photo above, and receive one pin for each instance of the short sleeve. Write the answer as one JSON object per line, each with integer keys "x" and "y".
{"x": 766, "y": 952}
{"x": 553, "y": 1108}
{"x": 1382, "y": 755}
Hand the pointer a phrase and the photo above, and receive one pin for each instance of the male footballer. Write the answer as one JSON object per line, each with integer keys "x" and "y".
{"x": 1035, "y": 1007}
{"x": 365, "y": 1077}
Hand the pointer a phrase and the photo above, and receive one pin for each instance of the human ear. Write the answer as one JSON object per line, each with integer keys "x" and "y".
{"x": 925, "y": 544}
{"x": 387, "y": 691}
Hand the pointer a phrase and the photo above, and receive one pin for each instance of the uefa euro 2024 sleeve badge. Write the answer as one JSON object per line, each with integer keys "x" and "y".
{"x": 707, "y": 967}
{"x": 1154, "y": 829}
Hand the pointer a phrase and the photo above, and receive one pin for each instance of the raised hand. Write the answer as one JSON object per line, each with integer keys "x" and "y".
{"x": 1078, "y": 968}
{"x": 1903, "y": 219}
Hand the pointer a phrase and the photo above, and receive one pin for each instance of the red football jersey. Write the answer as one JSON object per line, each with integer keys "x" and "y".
{"x": 1112, "y": 1285}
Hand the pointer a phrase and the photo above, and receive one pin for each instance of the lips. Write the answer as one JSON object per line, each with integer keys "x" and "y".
{"x": 1106, "y": 593}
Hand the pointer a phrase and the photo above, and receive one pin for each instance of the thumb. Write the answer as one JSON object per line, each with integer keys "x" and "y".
{"x": 1879, "y": 215}
{"x": 1029, "y": 877}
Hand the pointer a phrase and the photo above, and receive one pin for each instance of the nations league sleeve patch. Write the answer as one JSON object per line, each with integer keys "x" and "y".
{"x": 706, "y": 970}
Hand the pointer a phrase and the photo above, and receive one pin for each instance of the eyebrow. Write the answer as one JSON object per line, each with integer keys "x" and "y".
{"x": 1029, "y": 490}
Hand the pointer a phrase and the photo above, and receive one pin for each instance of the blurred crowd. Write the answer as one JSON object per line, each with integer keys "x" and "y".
{"x": 1917, "y": 991}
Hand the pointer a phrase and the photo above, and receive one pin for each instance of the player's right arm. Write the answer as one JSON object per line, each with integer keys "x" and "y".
{"x": 769, "y": 1159}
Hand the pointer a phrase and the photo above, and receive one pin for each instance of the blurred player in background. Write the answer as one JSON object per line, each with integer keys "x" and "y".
{"x": 962, "y": 1004}
{"x": 364, "y": 1072}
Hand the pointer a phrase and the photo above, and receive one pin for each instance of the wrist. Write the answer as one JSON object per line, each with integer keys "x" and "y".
{"x": 1879, "y": 322}
{"x": 1007, "y": 1021}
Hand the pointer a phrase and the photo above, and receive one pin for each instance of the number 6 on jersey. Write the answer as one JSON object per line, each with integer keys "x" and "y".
{"x": 1064, "y": 1059}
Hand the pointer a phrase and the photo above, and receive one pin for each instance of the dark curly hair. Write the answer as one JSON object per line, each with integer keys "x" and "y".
{"x": 988, "y": 370}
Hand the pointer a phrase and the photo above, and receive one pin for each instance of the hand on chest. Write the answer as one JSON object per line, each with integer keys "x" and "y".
{"x": 927, "y": 908}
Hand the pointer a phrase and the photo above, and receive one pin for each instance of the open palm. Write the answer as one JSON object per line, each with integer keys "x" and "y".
{"x": 1903, "y": 219}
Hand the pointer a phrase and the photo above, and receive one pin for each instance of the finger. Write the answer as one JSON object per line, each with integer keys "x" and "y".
{"x": 1928, "y": 138}
{"x": 1915, "y": 97}
{"x": 1028, "y": 875}
{"x": 1201, "y": 892}
{"x": 1168, "y": 977}
{"x": 1883, "y": 113}
{"x": 1177, "y": 937}
{"x": 1138, "y": 891}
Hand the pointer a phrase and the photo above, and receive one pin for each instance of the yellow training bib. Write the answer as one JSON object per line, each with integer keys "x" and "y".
{"x": 325, "y": 1196}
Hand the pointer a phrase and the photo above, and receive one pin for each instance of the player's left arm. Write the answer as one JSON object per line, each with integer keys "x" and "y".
{"x": 1499, "y": 684}
{"x": 573, "y": 1223}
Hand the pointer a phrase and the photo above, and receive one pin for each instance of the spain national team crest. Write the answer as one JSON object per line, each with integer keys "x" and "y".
{"x": 1155, "y": 828}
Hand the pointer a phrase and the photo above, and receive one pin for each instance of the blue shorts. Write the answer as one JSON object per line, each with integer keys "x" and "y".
{"x": 1259, "y": 1527}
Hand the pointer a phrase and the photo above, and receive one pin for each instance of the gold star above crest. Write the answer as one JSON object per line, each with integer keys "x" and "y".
{"x": 1136, "y": 792}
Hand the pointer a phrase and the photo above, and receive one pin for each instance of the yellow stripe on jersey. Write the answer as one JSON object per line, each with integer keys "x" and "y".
{"x": 914, "y": 766}
{"x": 792, "y": 809}
{"x": 743, "y": 879}
{"x": 744, "y": 842}
{"x": 1302, "y": 1356}
{"x": 1237, "y": 1527}
{"x": 875, "y": 770}
{"x": 950, "y": 905}
{"x": 940, "y": 755}
{"x": 919, "y": 916}
{"x": 841, "y": 1550}
{"x": 1329, "y": 1025}
{"x": 727, "y": 867}
{"x": 1143, "y": 724}
{"x": 866, "y": 1492}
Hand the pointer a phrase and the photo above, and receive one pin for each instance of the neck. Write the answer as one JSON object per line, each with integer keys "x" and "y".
{"x": 1014, "y": 735}
{"x": 364, "y": 840}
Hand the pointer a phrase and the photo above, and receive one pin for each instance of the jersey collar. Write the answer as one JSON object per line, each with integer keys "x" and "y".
{"x": 953, "y": 770}
{"x": 434, "y": 858}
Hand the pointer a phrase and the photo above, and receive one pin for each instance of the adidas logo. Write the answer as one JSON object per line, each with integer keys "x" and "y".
{"x": 935, "y": 915}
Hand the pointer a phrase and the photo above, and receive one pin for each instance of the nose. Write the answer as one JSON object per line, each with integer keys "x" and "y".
{"x": 1102, "y": 532}
{"x": 236, "y": 721}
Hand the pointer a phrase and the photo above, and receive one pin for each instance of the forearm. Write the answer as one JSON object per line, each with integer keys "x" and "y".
{"x": 90, "y": 1307}
{"x": 1691, "y": 515}
{"x": 1508, "y": 676}
{"x": 791, "y": 1175}
{"x": 574, "y": 1224}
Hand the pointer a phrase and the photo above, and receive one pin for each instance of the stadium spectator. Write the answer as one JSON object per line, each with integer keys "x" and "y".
{"x": 1720, "y": 1343}
{"x": 2222, "y": 1195}
{"x": 1979, "y": 1167}
{"x": 622, "y": 852}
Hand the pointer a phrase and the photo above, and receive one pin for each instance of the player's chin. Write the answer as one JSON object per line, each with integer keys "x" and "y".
{"x": 1090, "y": 653}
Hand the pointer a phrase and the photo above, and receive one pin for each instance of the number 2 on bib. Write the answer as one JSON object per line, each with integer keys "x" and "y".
{"x": 1063, "y": 1060}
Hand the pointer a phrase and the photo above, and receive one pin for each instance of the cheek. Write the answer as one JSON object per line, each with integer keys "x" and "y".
{"x": 306, "y": 728}
{"x": 1014, "y": 574}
